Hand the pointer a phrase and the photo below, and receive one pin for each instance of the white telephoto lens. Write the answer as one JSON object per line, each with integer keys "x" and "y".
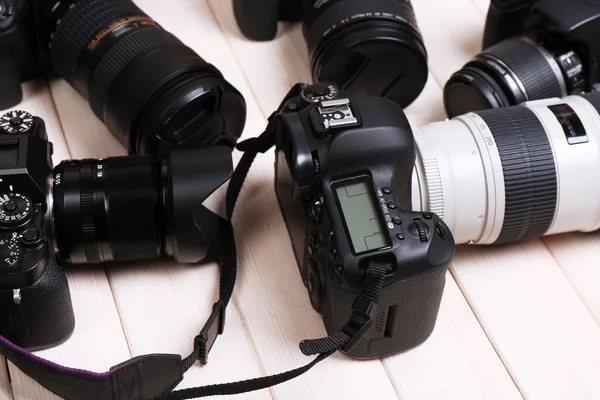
{"x": 503, "y": 175}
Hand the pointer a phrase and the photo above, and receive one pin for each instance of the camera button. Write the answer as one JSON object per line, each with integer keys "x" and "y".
{"x": 441, "y": 231}
{"x": 400, "y": 236}
{"x": 427, "y": 216}
{"x": 333, "y": 253}
{"x": 10, "y": 206}
{"x": 397, "y": 220}
{"x": 315, "y": 211}
{"x": 31, "y": 238}
{"x": 386, "y": 190}
{"x": 391, "y": 205}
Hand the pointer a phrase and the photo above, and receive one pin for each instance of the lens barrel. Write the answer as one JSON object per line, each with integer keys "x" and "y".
{"x": 136, "y": 208}
{"x": 152, "y": 91}
{"x": 367, "y": 47}
{"x": 512, "y": 72}
{"x": 108, "y": 210}
{"x": 511, "y": 174}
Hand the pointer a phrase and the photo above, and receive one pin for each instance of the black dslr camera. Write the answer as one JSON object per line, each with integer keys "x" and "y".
{"x": 92, "y": 211}
{"x": 152, "y": 92}
{"x": 534, "y": 49}
{"x": 365, "y": 47}
{"x": 343, "y": 179}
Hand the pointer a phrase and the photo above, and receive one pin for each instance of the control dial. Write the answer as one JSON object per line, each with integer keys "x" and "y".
{"x": 15, "y": 210}
{"x": 5, "y": 9}
{"x": 319, "y": 92}
{"x": 16, "y": 122}
{"x": 10, "y": 252}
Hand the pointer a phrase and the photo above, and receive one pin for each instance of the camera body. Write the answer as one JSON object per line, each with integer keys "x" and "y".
{"x": 93, "y": 211}
{"x": 25, "y": 25}
{"x": 365, "y": 47}
{"x": 559, "y": 26}
{"x": 343, "y": 180}
{"x": 35, "y": 304}
{"x": 534, "y": 50}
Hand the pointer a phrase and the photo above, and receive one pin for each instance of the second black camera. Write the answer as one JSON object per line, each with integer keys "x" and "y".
{"x": 92, "y": 211}
{"x": 535, "y": 49}
{"x": 365, "y": 47}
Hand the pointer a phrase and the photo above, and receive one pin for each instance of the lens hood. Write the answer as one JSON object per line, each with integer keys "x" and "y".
{"x": 373, "y": 58}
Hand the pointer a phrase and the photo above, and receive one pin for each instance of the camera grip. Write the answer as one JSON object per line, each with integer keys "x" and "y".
{"x": 44, "y": 318}
{"x": 10, "y": 82}
{"x": 505, "y": 19}
{"x": 405, "y": 316}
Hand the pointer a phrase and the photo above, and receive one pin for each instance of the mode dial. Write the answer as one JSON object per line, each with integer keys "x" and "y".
{"x": 16, "y": 122}
{"x": 15, "y": 210}
{"x": 10, "y": 252}
{"x": 319, "y": 92}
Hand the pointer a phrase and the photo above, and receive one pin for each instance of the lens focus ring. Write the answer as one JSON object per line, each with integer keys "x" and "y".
{"x": 118, "y": 57}
{"x": 319, "y": 24}
{"x": 84, "y": 19}
{"x": 532, "y": 65}
{"x": 529, "y": 169}
{"x": 108, "y": 210}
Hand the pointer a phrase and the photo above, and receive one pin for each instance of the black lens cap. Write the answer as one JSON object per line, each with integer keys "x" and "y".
{"x": 373, "y": 59}
{"x": 470, "y": 90}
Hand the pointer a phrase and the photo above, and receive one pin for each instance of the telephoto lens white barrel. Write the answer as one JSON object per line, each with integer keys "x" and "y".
{"x": 510, "y": 174}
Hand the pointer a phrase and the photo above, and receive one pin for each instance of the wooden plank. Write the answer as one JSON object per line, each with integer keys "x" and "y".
{"x": 5, "y": 388}
{"x": 284, "y": 62}
{"x": 577, "y": 256}
{"x": 482, "y": 5}
{"x": 458, "y": 360}
{"x": 452, "y": 34}
{"x": 536, "y": 321}
{"x": 97, "y": 321}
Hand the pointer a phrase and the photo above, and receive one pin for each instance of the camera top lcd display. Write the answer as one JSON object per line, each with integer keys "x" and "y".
{"x": 361, "y": 217}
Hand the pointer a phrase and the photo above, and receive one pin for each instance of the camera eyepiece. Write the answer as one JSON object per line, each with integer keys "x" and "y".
{"x": 152, "y": 91}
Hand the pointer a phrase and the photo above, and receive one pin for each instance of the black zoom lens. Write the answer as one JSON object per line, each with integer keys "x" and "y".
{"x": 133, "y": 208}
{"x": 152, "y": 91}
{"x": 512, "y": 72}
{"x": 367, "y": 47}
{"x": 108, "y": 210}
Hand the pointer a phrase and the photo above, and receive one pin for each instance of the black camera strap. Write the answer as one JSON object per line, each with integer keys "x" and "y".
{"x": 154, "y": 376}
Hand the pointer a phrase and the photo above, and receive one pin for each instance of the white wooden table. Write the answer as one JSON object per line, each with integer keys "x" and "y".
{"x": 518, "y": 321}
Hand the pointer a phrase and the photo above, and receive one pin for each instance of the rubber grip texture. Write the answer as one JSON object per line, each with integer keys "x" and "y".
{"x": 528, "y": 166}
{"x": 317, "y": 22}
{"x": 531, "y": 67}
{"x": 78, "y": 26}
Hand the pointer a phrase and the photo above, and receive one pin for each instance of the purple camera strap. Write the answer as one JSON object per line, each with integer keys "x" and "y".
{"x": 144, "y": 377}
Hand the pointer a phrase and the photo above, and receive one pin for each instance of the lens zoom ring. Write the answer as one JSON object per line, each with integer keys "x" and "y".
{"x": 88, "y": 223}
{"x": 317, "y": 23}
{"x": 78, "y": 26}
{"x": 529, "y": 169}
{"x": 530, "y": 66}
{"x": 118, "y": 57}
